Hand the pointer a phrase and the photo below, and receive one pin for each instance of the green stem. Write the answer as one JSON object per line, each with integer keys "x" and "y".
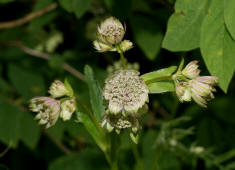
{"x": 137, "y": 157}
{"x": 156, "y": 160}
{"x": 123, "y": 61}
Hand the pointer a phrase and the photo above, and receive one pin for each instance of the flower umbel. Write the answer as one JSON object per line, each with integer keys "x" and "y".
{"x": 67, "y": 109}
{"x": 125, "y": 92}
{"x": 111, "y": 31}
{"x": 48, "y": 110}
{"x": 189, "y": 85}
{"x": 58, "y": 89}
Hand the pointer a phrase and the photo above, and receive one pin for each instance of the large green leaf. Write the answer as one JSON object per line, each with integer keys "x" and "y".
{"x": 79, "y": 7}
{"x": 147, "y": 35}
{"x": 29, "y": 130}
{"x": 96, "y": 97}
{"x": 183, "y": 29}
{"x": 16, "y": 125}
{"x": 9, "y": 123}
{"x": 217, "y": 46}
{"x": 158, "y": 74}
{"x": 27, "y": 83}
{"x": 229, "y": 15}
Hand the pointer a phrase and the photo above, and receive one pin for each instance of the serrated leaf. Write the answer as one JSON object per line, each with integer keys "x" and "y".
{"x": 27, "y": 83}
{"x": 95, "y": 92}
{"x": 183, "y": 29}
{"x": 161, "y": 87}
{"x": 91, "y": 128}
{"x": 79, "y": 7}
{"x": 165, "y": 72}
{"x": 217, "y": 46}
{"x": 229, "y": 15}
{"x": 147, "y": 35}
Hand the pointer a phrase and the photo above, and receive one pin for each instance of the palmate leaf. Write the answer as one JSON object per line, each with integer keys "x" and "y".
{"x": 217, "y": 46}
{"x": 183, "y": 29}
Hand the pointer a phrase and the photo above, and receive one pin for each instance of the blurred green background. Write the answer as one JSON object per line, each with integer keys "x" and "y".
{"x": 174, "y": 136}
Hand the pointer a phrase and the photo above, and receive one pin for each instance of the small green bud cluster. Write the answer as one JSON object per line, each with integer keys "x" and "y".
{"x": 189, "y": 85}
{"x": 110, "y": 34}
{"x": 59, "y": 104}
{"x": 127, "y": 95}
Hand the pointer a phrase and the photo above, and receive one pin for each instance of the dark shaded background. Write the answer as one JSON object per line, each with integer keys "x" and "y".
{"x": 24, "y": 76}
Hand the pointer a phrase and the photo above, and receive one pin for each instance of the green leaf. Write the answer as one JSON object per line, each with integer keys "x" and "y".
{"x": 82, "y": 161}
{"x": 96, "y": 97}
{"x": 79, "y": 7}
{"x": 10, "y": 117}
{"x": 29, "y": 130}
{"x": 229, "y": 15}
{"x": 217, "y": 47}
{"x": 183, "y": 29}
{"x": 27, "y": 83}
{"x": 158, "y": 74}
{"x": 147, "y": 35}
{"x": 91, "y": 128}
{"x": 161, "y": 87}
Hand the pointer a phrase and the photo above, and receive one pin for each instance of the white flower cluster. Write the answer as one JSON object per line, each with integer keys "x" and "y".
{"x": 125, "y": 92}
{"x": 189, "y": 85}
{"x": 49, "y": 109}
{"x": 127, "y": 95}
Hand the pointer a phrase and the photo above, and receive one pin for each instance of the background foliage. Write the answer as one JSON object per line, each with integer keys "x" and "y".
{"x": 174, "y": 135}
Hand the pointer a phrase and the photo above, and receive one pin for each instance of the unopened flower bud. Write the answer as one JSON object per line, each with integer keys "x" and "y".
{"x": 67, "y": 109}
{"x": 202, "y": 88}
{"x": 126, "y": 45}
{"x": 191, "y": 70}
{"x": 48, "y": 110}
{"x": 111, "y": 31}
{"x": 183, "y": 91}
{"x": 125, "y": 92}
{"x": 58, "y": 89}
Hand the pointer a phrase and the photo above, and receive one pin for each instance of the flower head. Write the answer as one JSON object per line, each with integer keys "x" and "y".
{"x": 48, "y": 110}
{"x": 191, "y": 70}
{"x": 202, "y": 88}
{"x": 67, "y": 109}
{"x": 58, "y": 89}
{"x": 111, "y": 31}
{"x": 125, "y": 92}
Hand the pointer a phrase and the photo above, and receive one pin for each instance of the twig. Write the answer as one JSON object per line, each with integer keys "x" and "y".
{"x": 46, "y": 56}
{"x": 28, "y": 17}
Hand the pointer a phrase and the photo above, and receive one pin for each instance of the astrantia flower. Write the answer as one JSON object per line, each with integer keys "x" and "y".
{"x": 191, "y": 70}
{"x": 125, "y": 92}
{"x": 58, "y": 89}
{"x": 183, "y": 91}
{"x": 67, "y": 109}
{"x": 111, "y": 31}
{"x": 202, "y": 88}
{"x": 189, "y": 85}
{"x": 48, "y": 110}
